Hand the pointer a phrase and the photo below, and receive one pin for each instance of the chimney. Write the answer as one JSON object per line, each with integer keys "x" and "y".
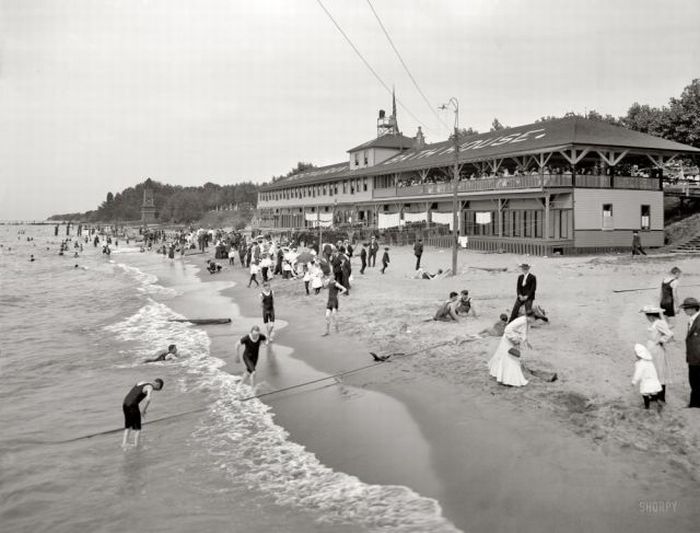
{"x": 419, "y": 140}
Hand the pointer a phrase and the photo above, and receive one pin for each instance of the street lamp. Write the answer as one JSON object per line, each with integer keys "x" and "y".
{"x": 455, "y": 182}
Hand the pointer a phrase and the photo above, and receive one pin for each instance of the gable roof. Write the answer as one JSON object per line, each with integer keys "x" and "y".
{"x": 398, "y": 141}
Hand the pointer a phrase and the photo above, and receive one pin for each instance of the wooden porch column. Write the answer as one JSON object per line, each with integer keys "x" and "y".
{"x": 500, "y": 218}
{"x": 546, "y": 217}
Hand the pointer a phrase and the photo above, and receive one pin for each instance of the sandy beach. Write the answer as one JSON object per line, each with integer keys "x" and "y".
{"x": 578, "y": 454}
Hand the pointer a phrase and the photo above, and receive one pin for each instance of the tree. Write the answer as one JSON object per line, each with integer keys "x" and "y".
{"x": 496, "y": 125}
{"x": 684, "y": 115}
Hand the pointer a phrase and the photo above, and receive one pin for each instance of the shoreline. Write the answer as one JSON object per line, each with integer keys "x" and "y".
{"x": 449, "y": 437}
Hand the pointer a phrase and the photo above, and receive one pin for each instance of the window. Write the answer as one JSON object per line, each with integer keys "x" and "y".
{"x": 646, "y": 218}
{"x": 364, "y": 184}
{"x": 366, "y": 160}
{"x": 608, "y": 221}
{"x": 357, "y": 159}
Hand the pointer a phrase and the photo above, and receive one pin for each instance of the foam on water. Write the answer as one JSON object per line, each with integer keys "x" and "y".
{"x": 256, "y": 454}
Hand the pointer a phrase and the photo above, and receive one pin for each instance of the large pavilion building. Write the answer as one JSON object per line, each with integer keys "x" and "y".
{"x": 565, "y": 185}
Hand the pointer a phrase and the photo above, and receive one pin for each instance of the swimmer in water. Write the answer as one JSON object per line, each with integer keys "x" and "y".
{"x": 133, "y": 413}
{"x": 31, "y": 259}
{"x": 165, "y": 356}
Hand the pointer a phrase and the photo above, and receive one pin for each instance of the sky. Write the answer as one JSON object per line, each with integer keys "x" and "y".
{"x": 98, "y": 95}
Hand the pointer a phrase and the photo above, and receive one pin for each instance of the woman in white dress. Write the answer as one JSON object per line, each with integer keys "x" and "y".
{"x": 504, "y": 366}
{"x": 660, "y": 335}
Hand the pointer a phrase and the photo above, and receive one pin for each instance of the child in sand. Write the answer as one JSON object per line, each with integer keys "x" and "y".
{"x": 645, "y": 375}
{"x": 497, "y": 329}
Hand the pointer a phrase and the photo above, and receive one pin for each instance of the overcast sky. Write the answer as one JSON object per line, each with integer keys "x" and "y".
{"x": 97, "y": 95}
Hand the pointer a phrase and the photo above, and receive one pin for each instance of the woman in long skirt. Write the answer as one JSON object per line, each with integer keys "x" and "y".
{"x": 505, "y": 366}
{"x": 660, "y": 335}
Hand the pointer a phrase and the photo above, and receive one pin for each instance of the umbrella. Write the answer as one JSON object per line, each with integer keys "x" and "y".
{"x": 305, "y": 257}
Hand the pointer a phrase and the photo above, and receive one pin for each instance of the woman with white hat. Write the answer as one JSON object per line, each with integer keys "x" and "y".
{"x": 645, "y": 375}
{"x": 660, "y": 335}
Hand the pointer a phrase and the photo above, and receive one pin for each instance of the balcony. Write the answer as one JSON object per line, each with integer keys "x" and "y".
{"x": 513, "y": 183}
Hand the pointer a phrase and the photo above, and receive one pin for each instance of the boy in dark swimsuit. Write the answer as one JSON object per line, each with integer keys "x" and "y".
{"x": 132, "y": 413}
{"x": 267, "y": 298}
{"x": 251, "y": 343}
{"x": 332, "y": 305}
{"x": 165, "y": 356}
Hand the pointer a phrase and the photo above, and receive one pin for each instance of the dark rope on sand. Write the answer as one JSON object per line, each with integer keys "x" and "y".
{"x": 646, "y": 289}
{"x": 257, "y": 396}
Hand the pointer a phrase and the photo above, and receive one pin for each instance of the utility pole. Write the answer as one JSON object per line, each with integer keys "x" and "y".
{"x": 455, "y": 184}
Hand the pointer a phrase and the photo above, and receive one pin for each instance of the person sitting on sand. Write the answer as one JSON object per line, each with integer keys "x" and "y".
{"x": 464, "y": 305}
{"x": 446, "y": 312}
{"x": 164, "y": 356}
{"x": 497, "y": 329}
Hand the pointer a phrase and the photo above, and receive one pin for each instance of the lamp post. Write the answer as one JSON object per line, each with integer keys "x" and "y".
{"x": 455, "y": 183}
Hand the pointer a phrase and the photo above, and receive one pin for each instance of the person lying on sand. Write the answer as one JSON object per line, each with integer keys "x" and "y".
{"x": 422, "y": 274}
{"x": 164, "y": 356}
{"x": 497, "y": 329}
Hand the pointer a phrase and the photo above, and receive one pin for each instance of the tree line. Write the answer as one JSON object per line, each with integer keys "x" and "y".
{"x": 174, "y": 203}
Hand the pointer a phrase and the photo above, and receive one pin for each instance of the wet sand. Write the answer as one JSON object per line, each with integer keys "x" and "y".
{"x": 496, "y": 459}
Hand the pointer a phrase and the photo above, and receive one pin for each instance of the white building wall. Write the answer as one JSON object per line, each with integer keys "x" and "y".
{"x": 627, "y": 206}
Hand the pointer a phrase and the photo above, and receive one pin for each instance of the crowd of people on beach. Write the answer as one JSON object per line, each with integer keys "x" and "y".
{"x": 329, "y": 268}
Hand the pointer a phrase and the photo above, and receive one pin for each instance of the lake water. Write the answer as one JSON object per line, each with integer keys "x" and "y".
{"x": 73, "y": 342}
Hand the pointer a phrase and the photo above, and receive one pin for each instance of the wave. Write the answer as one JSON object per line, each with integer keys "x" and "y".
{"x": 255, "y": 453}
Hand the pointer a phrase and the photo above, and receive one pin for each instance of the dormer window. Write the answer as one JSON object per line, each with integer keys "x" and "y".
{"x": 366, "y": 160}
{"x": 357, "y": 159}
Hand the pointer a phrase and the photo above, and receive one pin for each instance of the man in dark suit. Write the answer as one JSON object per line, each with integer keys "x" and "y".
{"x": 691, "y": 306}
{"x": 373, "y": 249}
{"x": 527, "y": 285}
{"x": 418, "y": 251}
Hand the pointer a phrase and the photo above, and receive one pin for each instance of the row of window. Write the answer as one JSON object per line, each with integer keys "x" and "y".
{"x": 352, "y": 186}
{"x": 608, "y": 222}
{"x": 357, "y": 158}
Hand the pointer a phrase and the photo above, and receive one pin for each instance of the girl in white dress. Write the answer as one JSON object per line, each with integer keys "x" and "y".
{"x": 504, "y": 366}
{"x": 645, "y": 375}
{"x": 660, "y": 335}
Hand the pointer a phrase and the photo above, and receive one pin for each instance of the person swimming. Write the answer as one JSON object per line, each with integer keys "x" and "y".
{"x": 164, "y": 356}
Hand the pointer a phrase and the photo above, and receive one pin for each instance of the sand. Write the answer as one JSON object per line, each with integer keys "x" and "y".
{"x": 578, "y": 454}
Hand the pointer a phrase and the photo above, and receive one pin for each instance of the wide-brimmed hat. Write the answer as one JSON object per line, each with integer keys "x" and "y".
{"x": 514, "y": 352}
{"x": 690, "y": 302}
{"x": 651, "y": 310}
{"x": 524, "y": 266}
{"x": 642, "y": 352}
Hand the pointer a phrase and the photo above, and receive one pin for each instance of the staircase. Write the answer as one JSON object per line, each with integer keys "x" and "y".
{"x": 691, "y": 246}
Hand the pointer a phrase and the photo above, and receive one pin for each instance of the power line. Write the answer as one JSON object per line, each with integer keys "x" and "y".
{"x": 403, "y": 63}
{"x": 374, "y": 72}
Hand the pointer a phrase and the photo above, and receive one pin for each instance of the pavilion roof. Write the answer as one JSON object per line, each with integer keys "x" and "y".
{"x": 558, "y": 134}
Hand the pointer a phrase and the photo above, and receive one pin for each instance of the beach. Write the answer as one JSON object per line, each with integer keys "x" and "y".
{"x": 423, "y": 442}
{"x": 499, "y": 457}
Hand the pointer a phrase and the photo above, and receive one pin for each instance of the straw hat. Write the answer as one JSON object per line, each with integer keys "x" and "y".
{"x": 524, "y": 266}
{"x": 651, "y": 310}
{"x": 642, "y": 352}
{"x": 690, "y": 303}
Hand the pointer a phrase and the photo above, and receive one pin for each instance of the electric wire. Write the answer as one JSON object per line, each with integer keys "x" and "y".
{"x": 405, "y": 66}
{"x": 371, "y": 69}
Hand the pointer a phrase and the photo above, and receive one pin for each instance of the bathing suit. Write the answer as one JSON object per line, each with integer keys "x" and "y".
{"x": 130, "y": 406}
{"x": 250, "y": 354}
{"x": 268, "y": 307}
{"x": 667, "y": 303}
{"x": 332, "y": 296}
